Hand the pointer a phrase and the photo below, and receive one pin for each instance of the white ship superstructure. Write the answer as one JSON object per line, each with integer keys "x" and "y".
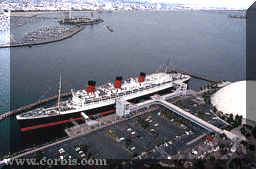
{"x": 95, "y": 97}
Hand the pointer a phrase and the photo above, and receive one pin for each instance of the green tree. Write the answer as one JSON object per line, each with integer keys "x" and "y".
{"x": 199, "y": 164}
{"x": 252, "y": 147}
{"x": 254, "y": 132}
{"x": 236, "y": 117}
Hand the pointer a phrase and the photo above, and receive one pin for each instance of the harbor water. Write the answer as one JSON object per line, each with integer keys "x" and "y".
{"x": 203, "y": 42}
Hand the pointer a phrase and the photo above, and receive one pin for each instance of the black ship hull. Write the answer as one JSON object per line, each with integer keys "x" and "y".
{"x": 30, "y": 124}
{"x": 36, "y": 123}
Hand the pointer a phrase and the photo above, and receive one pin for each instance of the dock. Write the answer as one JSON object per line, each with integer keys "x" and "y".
{"x": 196, "y": 76}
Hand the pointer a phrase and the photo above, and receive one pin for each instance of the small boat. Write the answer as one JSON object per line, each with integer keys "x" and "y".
{"x": 241, "y": 16}
{"x": 109, "y": 28}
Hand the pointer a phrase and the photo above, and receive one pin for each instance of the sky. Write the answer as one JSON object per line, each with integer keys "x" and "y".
{"x": 194, "y": 4}
{"x": 235, "y": 4}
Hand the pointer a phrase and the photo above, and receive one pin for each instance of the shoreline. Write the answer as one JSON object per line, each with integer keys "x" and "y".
{"x": 31, "y": 13}
{"x": 35, "y": 12}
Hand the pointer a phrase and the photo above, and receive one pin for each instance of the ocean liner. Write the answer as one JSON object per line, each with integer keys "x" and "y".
{"x": 101, "y": 99}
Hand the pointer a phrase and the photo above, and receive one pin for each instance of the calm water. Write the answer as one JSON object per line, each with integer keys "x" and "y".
{"x": 207, "y": 43}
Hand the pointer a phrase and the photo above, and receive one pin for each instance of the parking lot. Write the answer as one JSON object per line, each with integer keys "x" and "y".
{"x": 198, "y": 108}
{"x": 151, "y": 135}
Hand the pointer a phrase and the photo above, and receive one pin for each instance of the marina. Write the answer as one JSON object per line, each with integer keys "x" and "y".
{"x": 66, "y": 28}
{"x": 44, "y": 36}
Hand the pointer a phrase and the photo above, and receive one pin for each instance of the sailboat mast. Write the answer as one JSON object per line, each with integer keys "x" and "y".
{"x": 59, "y": 93}
{"x": 70, "y": 9}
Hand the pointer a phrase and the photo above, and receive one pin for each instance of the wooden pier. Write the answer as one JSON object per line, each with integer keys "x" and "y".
{"x": 31, "y": 106}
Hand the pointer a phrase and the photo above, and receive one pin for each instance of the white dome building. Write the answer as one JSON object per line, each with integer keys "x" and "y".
{"x": 232, "y": 99}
